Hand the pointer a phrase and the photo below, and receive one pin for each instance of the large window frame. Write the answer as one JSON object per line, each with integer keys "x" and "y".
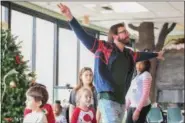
{"x": 57, "y": 24}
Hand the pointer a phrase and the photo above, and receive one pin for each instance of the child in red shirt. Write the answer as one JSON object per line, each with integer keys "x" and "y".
{"x": 83, "y": 113}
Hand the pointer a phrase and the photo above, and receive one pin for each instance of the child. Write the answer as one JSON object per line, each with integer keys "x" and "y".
{"x": 137, "y": 99}
{"x": 57, "y": 108}
{"x": 82, "y": 112}
{"x": 85, "y": 80}
{"x": 36, "y": 98}
{"x": 47, "y": 108}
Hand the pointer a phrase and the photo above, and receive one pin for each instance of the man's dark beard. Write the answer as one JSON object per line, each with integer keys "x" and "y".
{"x": 124, "y": 41}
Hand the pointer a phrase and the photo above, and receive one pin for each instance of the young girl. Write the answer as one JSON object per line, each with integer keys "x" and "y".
{"x": 85, "y": 80}
{"x": 57, "y": 108}
{"x": 83, "y": 113}
{"x": 47, "y": 108}
{"x": 137, "y": 98}
{"x": 36, "y": 98}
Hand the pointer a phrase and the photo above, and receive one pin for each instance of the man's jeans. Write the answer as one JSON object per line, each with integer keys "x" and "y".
{"x": 111, "y": 111}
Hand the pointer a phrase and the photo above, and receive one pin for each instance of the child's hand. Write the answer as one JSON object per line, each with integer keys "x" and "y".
{"x": 127, "y": 105}
{"x": 126, "y": 108}
{"x": 135, "y": 116}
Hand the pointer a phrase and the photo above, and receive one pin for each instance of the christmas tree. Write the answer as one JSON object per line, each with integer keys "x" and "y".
{"x": 15, "y": 79}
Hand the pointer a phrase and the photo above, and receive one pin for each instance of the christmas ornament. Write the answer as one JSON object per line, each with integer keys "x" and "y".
{"x": 8, "y": 119}
{"x": 12, "y": 84}
{"x": 86, "y": 19}
{"x": 13, "y": 71}
{"x": 17, "y": 58}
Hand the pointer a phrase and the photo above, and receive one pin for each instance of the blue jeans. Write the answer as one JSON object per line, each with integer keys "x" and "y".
{"x": 111, "y": 112}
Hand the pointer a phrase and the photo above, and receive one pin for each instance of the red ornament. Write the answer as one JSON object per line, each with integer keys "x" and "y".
{"x": 17, "y": 58}
{"x": 8, "y": 119}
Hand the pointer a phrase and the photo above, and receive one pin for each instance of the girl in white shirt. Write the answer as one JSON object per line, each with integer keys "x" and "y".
{"x": 138, "y": 103}
{"x": 36, "y": 97}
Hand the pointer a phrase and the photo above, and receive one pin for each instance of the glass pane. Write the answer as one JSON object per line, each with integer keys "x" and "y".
{"x": 103, "y": 37}
{"x": 62, "y": 95}
{"x": 67, "y": 57}
{"x": 2, "y": 14}
{"x": 86, "y": 57}
{"x": 22, "y": 27}
{"x": 44, "y": 54}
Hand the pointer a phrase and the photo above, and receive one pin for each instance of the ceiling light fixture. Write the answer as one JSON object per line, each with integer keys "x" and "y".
{"x": 128, "y": 7}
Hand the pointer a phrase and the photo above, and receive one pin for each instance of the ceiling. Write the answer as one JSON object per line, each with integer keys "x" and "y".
{"x": 158, "y": 12}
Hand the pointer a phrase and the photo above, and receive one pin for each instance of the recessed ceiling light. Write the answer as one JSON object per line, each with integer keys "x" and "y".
{"x": 127, "y": 7}
{"x": 90, "y": 5}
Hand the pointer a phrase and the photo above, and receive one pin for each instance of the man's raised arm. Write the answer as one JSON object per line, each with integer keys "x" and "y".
{"x": 89, "y": 41}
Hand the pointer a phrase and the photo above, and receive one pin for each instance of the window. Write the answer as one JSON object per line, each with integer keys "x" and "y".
{"x": 62, "y": 95}
{"x": 2, "y": 13}
{"x": 103, "y": 37}
{"x": 21, "y": 26}
{"x": 67, "y": 58}
{"x": 86, "y": 57}
{"x": 173, "y": 96}
{"x": 44, "y": 54}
